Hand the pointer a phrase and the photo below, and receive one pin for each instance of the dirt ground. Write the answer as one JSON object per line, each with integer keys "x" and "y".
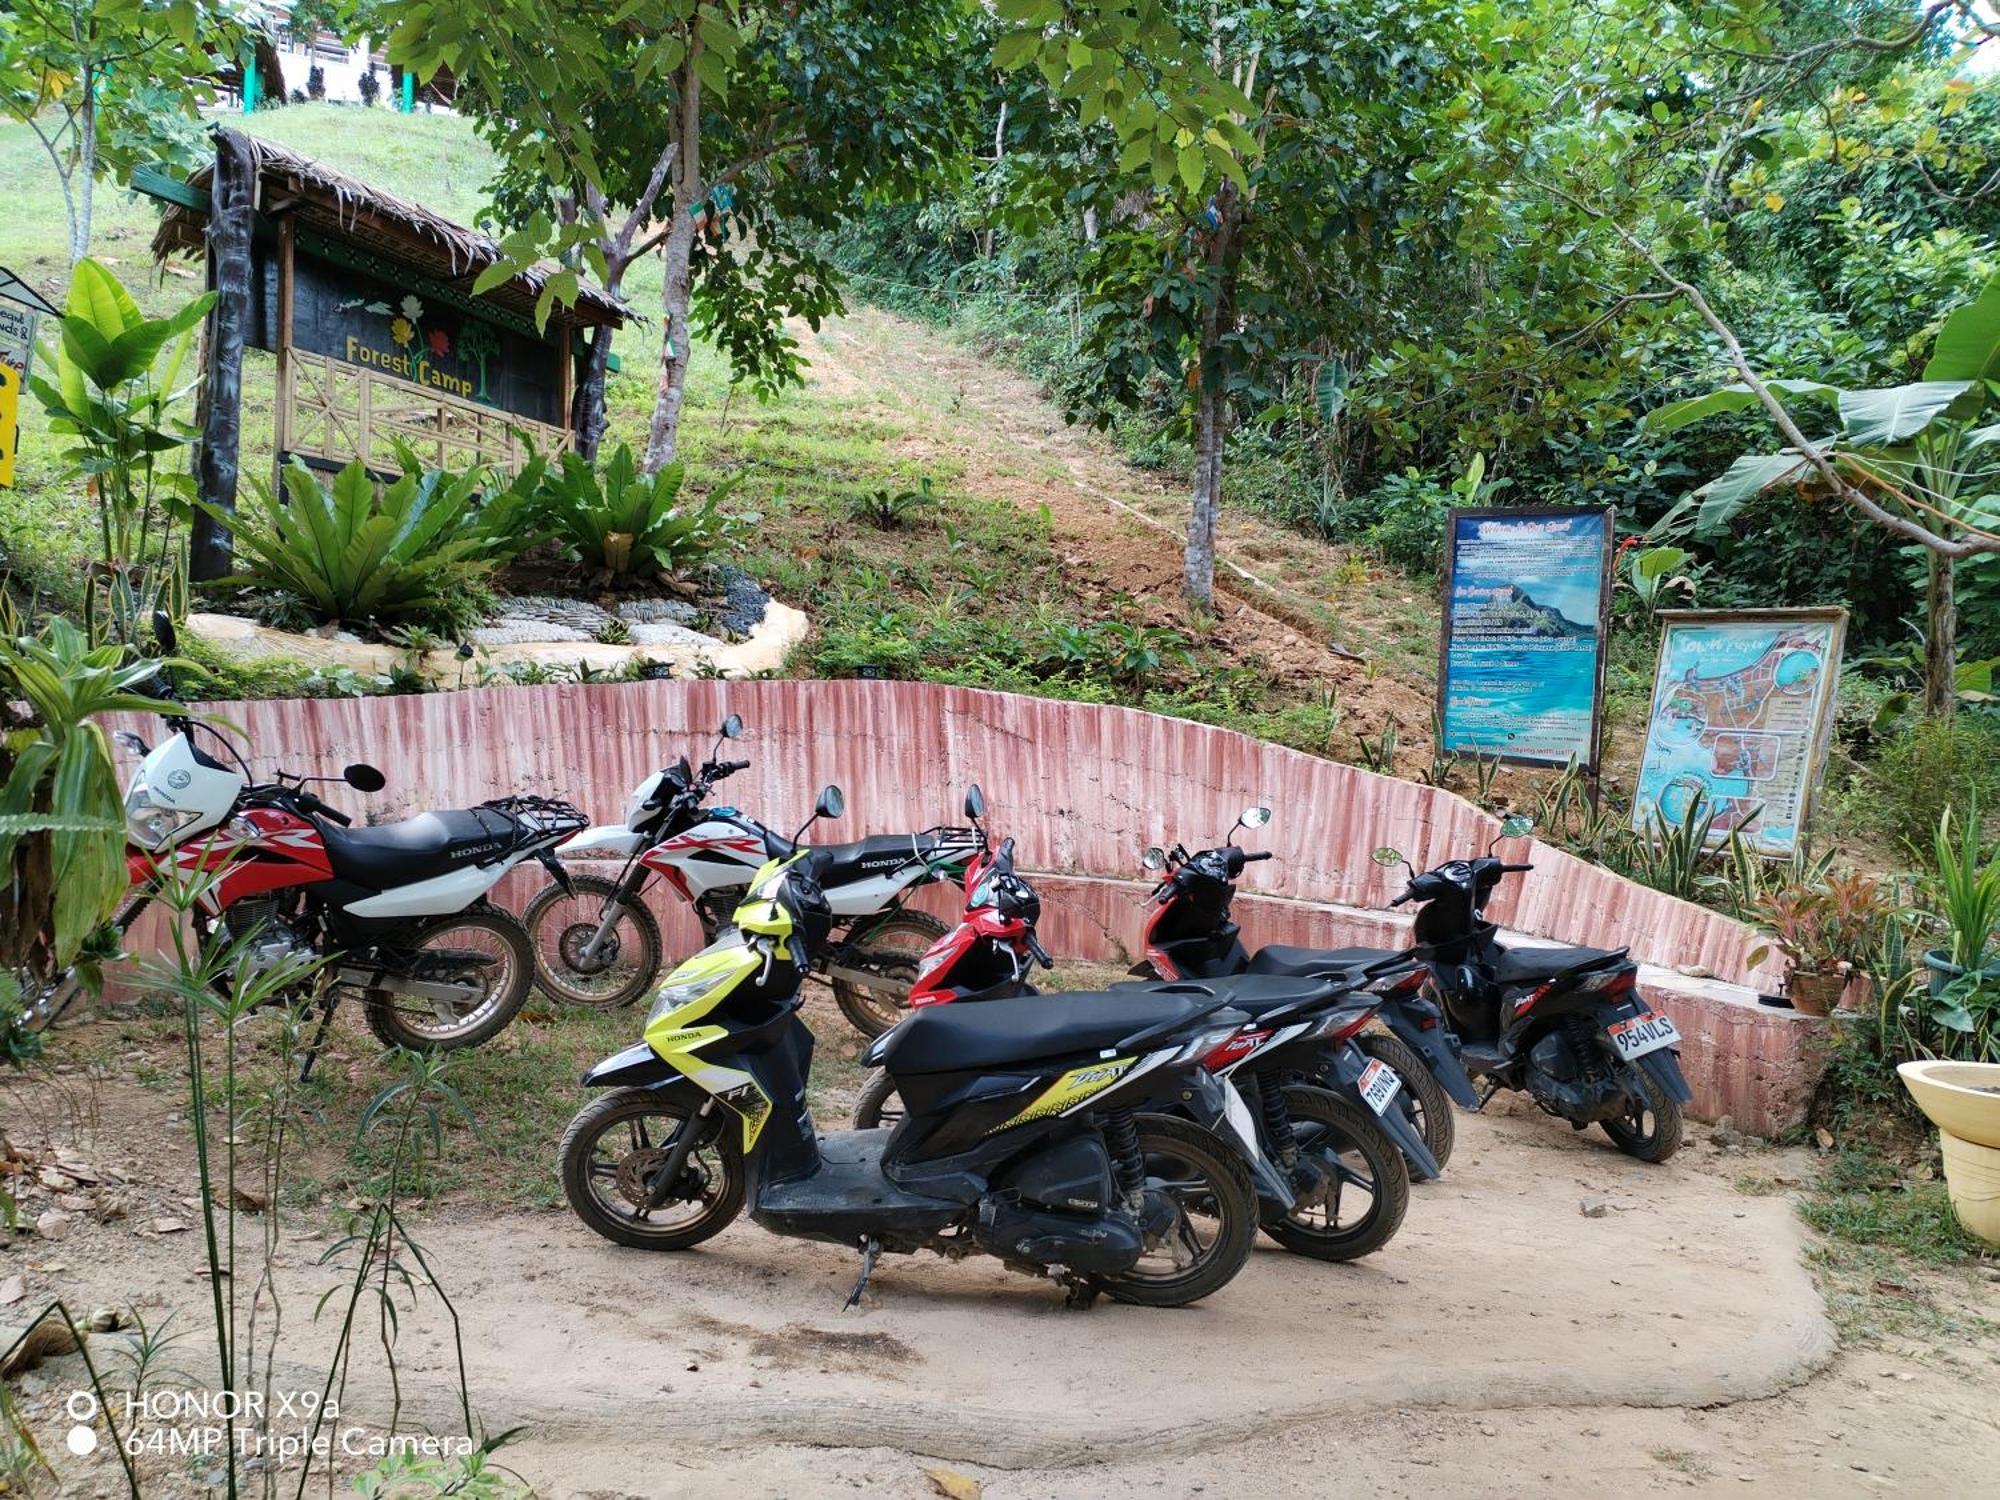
{"x": 1668, "y": 1339}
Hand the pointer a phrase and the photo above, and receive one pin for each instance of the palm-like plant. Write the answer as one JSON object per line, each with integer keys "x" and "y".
{"x": 355, "y": 550}
{"x": 1913, "y": 459}
{"x": 622, "y": 521}
{"x": 62, "y": 835}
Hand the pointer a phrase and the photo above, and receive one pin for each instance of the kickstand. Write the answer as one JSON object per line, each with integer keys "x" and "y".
{"x": 1491, "y": 1089}
{"x": 870, "y": 1248}
{"x": 319, "y": 1036}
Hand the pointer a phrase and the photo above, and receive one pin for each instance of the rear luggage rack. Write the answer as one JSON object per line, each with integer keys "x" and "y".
{"x": 537, "y": 815}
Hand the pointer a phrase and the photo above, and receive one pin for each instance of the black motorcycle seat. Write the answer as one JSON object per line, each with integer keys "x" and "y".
{"x": 865, "y": 859}
{"x": 947, "y": 1038}
{"x": 1533, "y": 965}
{"x": 1256, "y": 995}
{"x": 1280, "y": 959}
{"x": 432, "y": 843}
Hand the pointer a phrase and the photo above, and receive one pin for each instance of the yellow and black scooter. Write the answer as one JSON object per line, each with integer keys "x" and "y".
{"x": 1029, "y": 1134}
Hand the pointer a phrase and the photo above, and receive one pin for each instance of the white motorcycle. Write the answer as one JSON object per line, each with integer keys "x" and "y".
{"x": 597, "y": 943}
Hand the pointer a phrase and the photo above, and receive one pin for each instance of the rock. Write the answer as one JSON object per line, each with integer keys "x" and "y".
{"x": 106, "y": 1319}
{"x": 952, "y": 1484}
{"x": 743, "y": 602}
{"x": 666, "y": 633}
{"x": 1593, "y": 1208}
{"x": 168, "y": 1226}
{"x": 251, "y": 1200}
{"x": 512, "y": 632}
{"x": 1824, "y": 1137}
{"x": 52, "y": 1225}
{"x": 658, "y": 612}
{"x": 13, "y": 1289}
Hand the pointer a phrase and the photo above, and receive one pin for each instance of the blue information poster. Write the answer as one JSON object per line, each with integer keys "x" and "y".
{"x": 1742, "y": 707}
{"x": 1526, "y": 595}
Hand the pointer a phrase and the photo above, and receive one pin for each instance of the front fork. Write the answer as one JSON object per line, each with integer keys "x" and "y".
{"x": 1219, "y": 1105}
{"x": 630, "y": 884}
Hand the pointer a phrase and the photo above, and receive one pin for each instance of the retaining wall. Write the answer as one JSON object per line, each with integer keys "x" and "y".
{"x": 1083, "y": 788}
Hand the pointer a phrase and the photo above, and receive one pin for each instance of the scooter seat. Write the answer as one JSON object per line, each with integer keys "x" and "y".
{"x": 1280, "y": 959}
{"x": 948, "y": 1038}
{"x": 1534, "y": 965}
{"x": 430, "y": 844}
{"x": 1256, "y": 995}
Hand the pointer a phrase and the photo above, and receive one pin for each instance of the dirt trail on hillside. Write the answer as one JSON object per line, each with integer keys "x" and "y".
{"x": 1122, "y": 529}
{"x": 1504, "y": 1336}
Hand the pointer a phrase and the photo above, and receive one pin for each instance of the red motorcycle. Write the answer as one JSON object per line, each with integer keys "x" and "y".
{"x": 993, "y": 949}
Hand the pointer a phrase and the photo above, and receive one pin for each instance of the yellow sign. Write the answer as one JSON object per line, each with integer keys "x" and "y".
{"x": 10, "y": 421}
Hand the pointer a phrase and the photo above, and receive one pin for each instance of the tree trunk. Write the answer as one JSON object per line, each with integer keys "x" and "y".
{"x": 663, "y": 438}
{"x": 86, "y": 122}
{"x": 1941, "y": 640}
{"x": 1211, "y": 401}
{"x": 586, "y": 408}
{"x": 232, "y": 192}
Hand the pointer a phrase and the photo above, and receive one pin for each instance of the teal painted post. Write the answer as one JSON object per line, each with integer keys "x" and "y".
{"x": 409, "y": 92}
{"x": 250, "y": 84}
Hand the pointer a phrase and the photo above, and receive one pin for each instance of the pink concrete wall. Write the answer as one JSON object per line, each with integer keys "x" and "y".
{"x": 1082, "y": 787}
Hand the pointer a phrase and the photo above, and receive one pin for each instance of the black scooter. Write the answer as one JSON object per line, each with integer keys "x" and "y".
{"x": 1190, "y": 936}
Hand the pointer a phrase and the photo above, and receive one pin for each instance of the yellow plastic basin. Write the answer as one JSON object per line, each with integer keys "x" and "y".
{"x": 1961, "y": 1098}
{"x": 1972, "y": 1178}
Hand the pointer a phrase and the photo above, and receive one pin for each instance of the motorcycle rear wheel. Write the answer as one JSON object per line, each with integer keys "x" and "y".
{"x": 559, "y": 922}
{"x": 1210, "y": 1183}
{"x": 1654, "y": 1139}
{"x": 1343, "y": 1139}
{"x": 615, "y": 1145}
{"x": 400, "y": 1020}
{"x": 1425, "y": 1101}
{"x": 891, "y": 950}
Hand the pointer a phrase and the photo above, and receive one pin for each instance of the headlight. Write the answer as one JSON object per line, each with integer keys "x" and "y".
{"x": 669, "y": 997}
{"x": 151, "y": 824}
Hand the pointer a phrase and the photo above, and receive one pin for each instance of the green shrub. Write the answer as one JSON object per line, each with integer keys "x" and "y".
{"x": 418, "y": 549}
{"x": 879, "y": 648}
{"x": 1402, "y": 520}
{"x": 1931, "y": 764}
{"x": 624, "y": 522}
{"x": 1132, "y": 656}
{"x": 886, "y": 509}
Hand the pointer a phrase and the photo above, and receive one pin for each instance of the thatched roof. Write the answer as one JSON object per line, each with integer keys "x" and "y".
{"x": 319, "y": 197}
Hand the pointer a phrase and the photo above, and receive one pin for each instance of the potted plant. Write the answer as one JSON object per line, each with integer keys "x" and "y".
{"x": 1965, "y": 902}
{"x": 1800, "y": 921}
{"x": 1858, "y": 912}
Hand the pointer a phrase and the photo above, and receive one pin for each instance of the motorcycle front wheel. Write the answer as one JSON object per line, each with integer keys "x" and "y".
{"x": 880, "y": 1104}
{"x": 889, "y": 952}
{"x": 484, "y": 954}
{"x": 1650, "y": 1129}
{"x": 561, "y": 925}
{"x": 1364, "y": 1181}
{"x": 613, "y": 1151}
{"x": 1215, "y": 1223}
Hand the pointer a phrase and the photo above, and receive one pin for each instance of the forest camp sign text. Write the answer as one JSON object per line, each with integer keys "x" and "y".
{"x": 413, "y": 367}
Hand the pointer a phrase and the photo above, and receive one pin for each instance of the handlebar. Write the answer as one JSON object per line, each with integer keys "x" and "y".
{"x": 730, "y": 768}
{"x": 312, "y": 804}
{"x": 1041, "y": 954}
{"x": 1260, "y": 854}
{"x": 1402, "y": 898}
{"x": 1515, "y": 869}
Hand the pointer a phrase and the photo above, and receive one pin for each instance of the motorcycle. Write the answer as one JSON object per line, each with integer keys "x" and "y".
{"x": 398, "y": 908}
{"x": 1189, "y": 935}
{"x": 597, "y": 943}
{"x": 1032, "y": 1134}
{"x": 1565, "y": 1025}
{"x": 1318, "y": 1142}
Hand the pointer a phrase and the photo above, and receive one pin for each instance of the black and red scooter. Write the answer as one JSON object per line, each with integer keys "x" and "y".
{"x": 1565, "y": 1025}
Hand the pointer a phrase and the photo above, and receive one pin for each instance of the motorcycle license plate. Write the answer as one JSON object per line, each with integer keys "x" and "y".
{"x": 1636, "y": 1037}
{"x": 1378, "y": 1084}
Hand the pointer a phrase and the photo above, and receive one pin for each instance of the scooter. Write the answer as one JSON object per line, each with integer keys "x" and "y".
{"x": 597, "y": 943}
{"x": 1032, "y": 1134}
{"x": 399, "y": 908}
{"x": 1297, "y": 1037}
{"x": 1190, "y": 935}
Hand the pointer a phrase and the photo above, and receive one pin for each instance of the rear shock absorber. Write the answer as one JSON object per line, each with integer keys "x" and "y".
{"x": 1121, "y": 1139}
{"x": 1277, "y": 1119}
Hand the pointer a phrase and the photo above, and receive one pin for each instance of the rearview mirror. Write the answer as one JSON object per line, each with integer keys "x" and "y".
{"x": 1518, "y": 826}
{"x": 975, "y": 802}
{"x": 364, "y": 778}
{"x": 732, "y": 727}
{"x": 1255, "y": 817}
{"x": 132, "y": 742}
{"x": 1387, "y": 856}
{"x": 831, "y": 804}
{"x": 1155, "y": 858}
{"x": 164, "y": 633}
